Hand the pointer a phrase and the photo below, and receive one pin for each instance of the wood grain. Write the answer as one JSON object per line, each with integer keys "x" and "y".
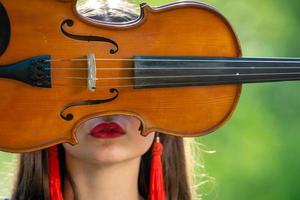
{"x": 29, "y": 117}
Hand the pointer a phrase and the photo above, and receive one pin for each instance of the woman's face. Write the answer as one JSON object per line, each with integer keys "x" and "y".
{"x": 97, "y": 150}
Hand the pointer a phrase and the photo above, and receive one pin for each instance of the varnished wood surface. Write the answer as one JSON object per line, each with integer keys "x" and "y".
{"x": 29, "y": 117}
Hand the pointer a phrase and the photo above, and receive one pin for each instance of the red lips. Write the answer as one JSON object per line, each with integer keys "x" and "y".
{"x": 107, "y": 130}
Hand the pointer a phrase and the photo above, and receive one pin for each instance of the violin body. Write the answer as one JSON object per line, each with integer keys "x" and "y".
{"x": 33, "y": 118}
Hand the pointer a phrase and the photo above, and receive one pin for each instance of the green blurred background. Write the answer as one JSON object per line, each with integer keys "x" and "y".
{"x": 257, "y": 151}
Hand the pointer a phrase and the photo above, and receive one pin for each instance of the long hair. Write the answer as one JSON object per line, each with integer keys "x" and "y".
{"x": 32, "y": 179}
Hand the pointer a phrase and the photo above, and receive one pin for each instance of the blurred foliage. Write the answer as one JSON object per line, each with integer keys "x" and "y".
{"x": 7, "y": 170}
{"x": 257, "y": 151}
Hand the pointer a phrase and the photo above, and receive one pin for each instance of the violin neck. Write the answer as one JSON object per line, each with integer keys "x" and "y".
{"x": 158, "y": 71}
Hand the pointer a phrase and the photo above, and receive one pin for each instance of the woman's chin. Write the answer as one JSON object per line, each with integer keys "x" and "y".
{"x": 110, "y": 154}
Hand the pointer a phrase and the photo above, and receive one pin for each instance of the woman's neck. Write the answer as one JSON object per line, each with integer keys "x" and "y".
{"x": 116, "y": 181}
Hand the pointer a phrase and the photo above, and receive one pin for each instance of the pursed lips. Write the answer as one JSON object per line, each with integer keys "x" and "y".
{"x": 107, "y": 130}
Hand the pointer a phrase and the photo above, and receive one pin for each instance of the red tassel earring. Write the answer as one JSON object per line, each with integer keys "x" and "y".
{"x": 54, "y": 175}
{"x": 157, "y": 186}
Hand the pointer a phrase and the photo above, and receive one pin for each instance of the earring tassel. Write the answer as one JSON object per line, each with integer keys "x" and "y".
{"x": 157, "y": 187}
{"x": 54, "y": 175}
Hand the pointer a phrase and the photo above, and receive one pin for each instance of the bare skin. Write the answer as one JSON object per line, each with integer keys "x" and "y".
{"x": 106, "y": 168}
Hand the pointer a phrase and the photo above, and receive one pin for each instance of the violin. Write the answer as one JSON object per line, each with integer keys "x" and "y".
{"x": 178, "y": 68}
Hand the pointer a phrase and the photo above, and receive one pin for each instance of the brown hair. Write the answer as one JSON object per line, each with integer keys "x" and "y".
{"x": 32, "y": 179}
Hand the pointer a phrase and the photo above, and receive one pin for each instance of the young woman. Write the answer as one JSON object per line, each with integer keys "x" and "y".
{"x": 111, "y": 161}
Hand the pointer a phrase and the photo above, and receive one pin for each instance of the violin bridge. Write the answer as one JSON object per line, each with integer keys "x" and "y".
{"x": 92, "y": 71}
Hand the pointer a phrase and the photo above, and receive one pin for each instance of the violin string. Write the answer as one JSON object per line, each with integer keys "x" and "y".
{"x": 169, "y": 84}
{"x": 179, "y": 76}
{"x": 66, "y": 68}
{"x": 229, "y": 60}
{"x": 69, "y": 77}
{"x": 165, "y": 68}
